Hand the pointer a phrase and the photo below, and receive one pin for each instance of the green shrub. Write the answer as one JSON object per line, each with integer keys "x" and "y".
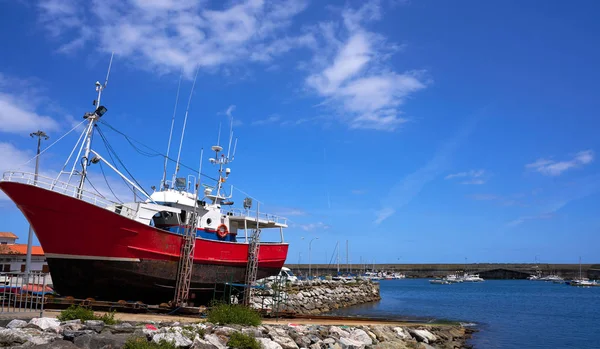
{"x": 75, "y": 312}
{"x": 143, "y": 343}
{"x": 242, "y": 341}
{"x": 233, "y": 314}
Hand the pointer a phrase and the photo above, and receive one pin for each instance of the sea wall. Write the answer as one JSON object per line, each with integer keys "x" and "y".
{"x": 50, "y": 333}
{"x": 314, "y": 297}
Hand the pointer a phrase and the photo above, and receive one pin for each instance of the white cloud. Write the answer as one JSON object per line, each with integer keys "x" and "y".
{"x": 165, "y": 35}
{"x": 314, "y": 226}
{"x": 270, "y": 120}
{"x": 17, "y": 117}
{"x": 475, "y": 177}
{"x": 352, "y": 77}
{"x": 17, "y": 107}
{"x": 555, "y": 168}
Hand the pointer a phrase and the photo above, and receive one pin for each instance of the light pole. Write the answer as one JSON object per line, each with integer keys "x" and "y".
{"x": 39, "y": 134}
{"x": 309, "y": 259}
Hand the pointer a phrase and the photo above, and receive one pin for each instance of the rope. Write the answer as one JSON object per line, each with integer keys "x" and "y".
{"x": 48, "y": 147}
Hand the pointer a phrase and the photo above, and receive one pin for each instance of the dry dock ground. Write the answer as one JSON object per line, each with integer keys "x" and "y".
{"x": 316, "y": 321}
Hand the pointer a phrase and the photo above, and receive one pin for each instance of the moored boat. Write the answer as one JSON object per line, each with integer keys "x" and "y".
{"x": 108, "y": 249}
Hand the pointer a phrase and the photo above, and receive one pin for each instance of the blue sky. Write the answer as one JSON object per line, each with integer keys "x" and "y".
{"x": 420, "y": 131}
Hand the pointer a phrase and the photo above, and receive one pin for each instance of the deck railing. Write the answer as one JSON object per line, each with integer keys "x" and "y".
{"x": 271, "y": 218}
{"x": 23, "y": 292}
{"x": 64, "y": 188}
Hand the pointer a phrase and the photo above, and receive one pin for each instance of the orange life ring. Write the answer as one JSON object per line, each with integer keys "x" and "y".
{"x": 222, "y": 231}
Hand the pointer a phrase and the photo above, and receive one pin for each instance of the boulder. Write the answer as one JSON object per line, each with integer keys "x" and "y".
{"x": 57, "y": 344}
{"x": 329, "y": 341}
{"x": 361, "y": 336}
{"x": 391, "y": 345}
{"x": 285, "y": 342}
{"x": 267, "y": 343}
{"x": 202, "y": 344}
{"x": 303, "y": 341}
{"x": 70, "y": 334}
{"x": 16, "y": 323}
{"x": 423, "y": 336}
{"x": 400, "y": 332}
{"x": 215, "y": 340}
{"x": 94, "y": 325}
{"x": 176, "y": 338}
{"x": 223, "y": 331}
{"x": 11, "y": 337}
{"x": 101, "y": 341}
{"x": 349, "y": 343}
{"x": 122, "y": 328}
{"x": 46, "y": 324}
{"x": 338, "y": 332}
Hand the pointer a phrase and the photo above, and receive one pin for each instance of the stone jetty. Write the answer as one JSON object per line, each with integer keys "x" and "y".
{"x": 315, "y": 296}
{"x": 50, "y": 333}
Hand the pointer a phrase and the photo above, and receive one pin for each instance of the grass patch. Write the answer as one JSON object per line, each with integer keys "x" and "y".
{"x": 233, "y": 314}
{"x": 242, "y": 341}
{"x": 75, "y": 312}
{"x": 143, "y": 343}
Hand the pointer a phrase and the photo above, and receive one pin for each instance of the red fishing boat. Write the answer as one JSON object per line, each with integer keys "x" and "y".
{"x": 113, "y": 250}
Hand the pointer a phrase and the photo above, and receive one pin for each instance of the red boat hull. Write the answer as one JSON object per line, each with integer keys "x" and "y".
{"x": 93, "y": 252}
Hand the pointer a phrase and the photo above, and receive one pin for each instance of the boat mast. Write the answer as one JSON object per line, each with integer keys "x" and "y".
{"x": 184, "y": 125}
{"x": 93, "y": 118}
{"x": 163, "y": 183}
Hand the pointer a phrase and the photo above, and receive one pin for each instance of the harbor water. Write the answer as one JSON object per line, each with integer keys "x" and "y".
{"x": 506, "y": 313}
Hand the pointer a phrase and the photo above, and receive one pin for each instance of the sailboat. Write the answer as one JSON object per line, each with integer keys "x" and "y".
{"x": 113, "y": 250}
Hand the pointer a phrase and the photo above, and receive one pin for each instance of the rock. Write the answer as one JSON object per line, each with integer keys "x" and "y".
{"x": 101, "y": 341}
{"x": 11, "y": 337}
{"x": 95, "y": 325}
{"x": 176, "y": 338}
{"x": 122, "y": 328}
{"x": 423, "y": 336}
{"x": 201, "y": 344}
{"x": 70, "y": 334}
{"x": 303, "y": 341}
{"x": 285, "y": 342}
{"x": 267, "y": 343}
{"x": 349, "y": 343}
{"x": 215, "y": 340}
{"x": 46, "y": 323}
{"x": 329, "y": 341}
{"x": 253, "y": 331}
{"x": 400, "y": 332}
{"x": 149, "y": 330}
{"x": 391, "y": 345}
{"x": 338, "y": 332}
{"x": 315, "y": 345}
{"x": 16, "y": 324}
{"x": 361, "y": 336}
{"x": 57, "y": 344}
{"x": 224, "y": 331}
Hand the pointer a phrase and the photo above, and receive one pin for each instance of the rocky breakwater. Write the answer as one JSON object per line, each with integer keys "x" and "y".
{"x": 50, "y": 333}
{"x": 314, "y": 296}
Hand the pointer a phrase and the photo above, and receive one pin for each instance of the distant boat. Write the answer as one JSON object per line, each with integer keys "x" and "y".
{"x": 439, "y": 282}
{"x": 472, "y": 278}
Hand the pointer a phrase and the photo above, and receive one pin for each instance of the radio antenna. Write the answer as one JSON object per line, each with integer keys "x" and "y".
{"x": 184, "y": 124}
{"x": 164, "y": 179}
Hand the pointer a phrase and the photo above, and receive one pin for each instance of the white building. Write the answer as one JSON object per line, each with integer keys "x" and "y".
{"x": 12, "y": 255}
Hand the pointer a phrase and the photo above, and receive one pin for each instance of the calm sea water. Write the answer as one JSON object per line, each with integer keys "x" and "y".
{"x": 507, "y": 313}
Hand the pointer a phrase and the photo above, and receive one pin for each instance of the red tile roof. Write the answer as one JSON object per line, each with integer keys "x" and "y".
{"x": 7, "y": 234}
{"x": 20, "y": 249}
